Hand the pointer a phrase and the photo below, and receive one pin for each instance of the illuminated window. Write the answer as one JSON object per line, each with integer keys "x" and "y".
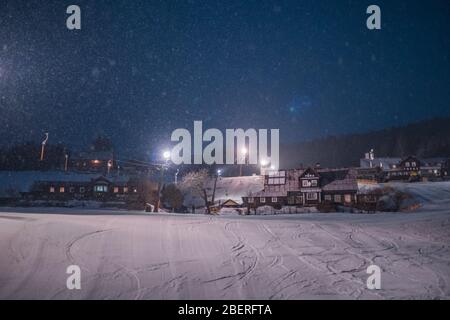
{"x": 337, "y": 198}
{"x": 328, "y": 197}
{"x": 52, "y": 189}
{"x": 348, "y": 198}
{"x": 407, "y": 164}
{"x": 116, "y": 189}
{"x": 61, "y": 189}
{"x": 276, "y": 178}
{"x": 125, "y": 189}
{"x": 311, "y": 196}
{"x": 250, "y": 200}
{"x": 262, "y": 200}
{"x": 413, "y": 164}
{"x": 274, "y": 199}
{"x": 101, "y": 188}
{"x": 314, "y": 183}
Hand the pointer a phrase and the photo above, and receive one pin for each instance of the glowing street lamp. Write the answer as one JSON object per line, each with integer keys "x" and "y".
{"x": 244, "y": 157}
{"x": 166, "y": 155}
{"x": 263, "y": 163}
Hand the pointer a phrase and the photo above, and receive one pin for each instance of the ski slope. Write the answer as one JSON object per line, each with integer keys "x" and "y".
{"x": 125, "y": 255}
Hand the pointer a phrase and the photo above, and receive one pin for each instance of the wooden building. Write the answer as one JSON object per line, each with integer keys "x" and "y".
{"x": 306, "y": 187}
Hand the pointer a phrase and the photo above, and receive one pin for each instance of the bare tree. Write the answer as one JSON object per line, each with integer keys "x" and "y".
{"x": 196, "y": 183}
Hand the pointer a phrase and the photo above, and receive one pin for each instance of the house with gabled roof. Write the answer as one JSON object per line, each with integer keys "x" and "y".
{"x": 306, "y": 187}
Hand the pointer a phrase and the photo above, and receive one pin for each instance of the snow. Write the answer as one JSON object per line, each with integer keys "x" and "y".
{"x": 137, "y": 255}
{"x": 132, "y": 255}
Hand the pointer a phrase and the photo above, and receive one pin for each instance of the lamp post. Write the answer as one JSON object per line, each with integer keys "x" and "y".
{"x": 43, "y": 146}
{"x": 176, "y": 176}
{"x": 110, "y": 164}
{"x": 66, "y": 160}
{"x": 263, "y": 163}
{"x": 244, "y": 156}
{"x": 166, "y": 157}
{"x": 219, "y": 173}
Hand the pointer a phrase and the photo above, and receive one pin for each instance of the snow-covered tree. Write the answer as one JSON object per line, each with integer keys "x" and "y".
{"x": 196, "y": 183}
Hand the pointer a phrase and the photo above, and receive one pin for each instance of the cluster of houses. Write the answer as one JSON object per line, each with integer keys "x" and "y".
{"x": 95, "y": 176}
{"x": 408, "y": 169}
{"x": 313, "y": 186}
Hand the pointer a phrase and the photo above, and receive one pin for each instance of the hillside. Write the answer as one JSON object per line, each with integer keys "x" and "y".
{"x": 429, "y": 138}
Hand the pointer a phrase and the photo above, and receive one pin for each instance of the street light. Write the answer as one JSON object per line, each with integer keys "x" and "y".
{"x": 263, "y": 163}
{"x": 219, "y": 172}
{"x": 166, "y": 156}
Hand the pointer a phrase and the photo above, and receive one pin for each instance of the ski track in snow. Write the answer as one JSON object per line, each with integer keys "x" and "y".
{"x": 170, "y": 256}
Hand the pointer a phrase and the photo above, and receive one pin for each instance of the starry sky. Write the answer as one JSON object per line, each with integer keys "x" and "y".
{"x": 137, "y": 70}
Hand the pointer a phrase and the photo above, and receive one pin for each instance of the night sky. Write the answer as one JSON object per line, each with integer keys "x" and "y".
{"x": 137, "y": 70}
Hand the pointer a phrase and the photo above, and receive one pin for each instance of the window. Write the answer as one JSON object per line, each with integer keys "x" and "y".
{"x": 61, "y": 189}
{"x": 276, "y": 178}
{"x": 82, "y": 189}
{"x": 348, "y": 198}
{"x": 125, "y": 189}
{"x": 251, "y": 200}
{"x": 52, "y": 189}
{"x": 71, "y": 189}
{"x": 413, "y": 164}
{"x": 337, "y": 198}
{"x": 328, "y": 197}
{"x": 274, "y": 199}
{"x": 116, "y": 189}
{"x": 407, "y": 164}
{"x": 262, "y": 200}
{"x": 314, "y": 183}
{"x": 101, "y": 188}
{"x": 311, "y": 196}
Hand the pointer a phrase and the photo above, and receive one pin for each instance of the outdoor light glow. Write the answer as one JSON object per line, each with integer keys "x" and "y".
{"x": 263, "y": 163}
{"x": 244, "y": 150}
{"x": 166, "y": 155}
{"x": 219, "y": 172}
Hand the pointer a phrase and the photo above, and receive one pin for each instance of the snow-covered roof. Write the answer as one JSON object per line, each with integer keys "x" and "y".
{"x": 348, "y": 184}
{"x": 385, "y": 163}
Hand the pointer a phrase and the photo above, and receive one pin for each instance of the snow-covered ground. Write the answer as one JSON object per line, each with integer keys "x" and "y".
{"x": 131, "y": 255}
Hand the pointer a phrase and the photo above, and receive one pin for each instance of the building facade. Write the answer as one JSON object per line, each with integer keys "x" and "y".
{"x": 306, "y": 187}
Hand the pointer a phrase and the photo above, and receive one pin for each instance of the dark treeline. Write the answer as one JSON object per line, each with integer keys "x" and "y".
{"x": 429, "y": 138}
{"x": 27, "y": 157}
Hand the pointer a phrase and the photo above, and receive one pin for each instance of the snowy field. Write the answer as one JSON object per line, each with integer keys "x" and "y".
{"x": 126, "y": 255}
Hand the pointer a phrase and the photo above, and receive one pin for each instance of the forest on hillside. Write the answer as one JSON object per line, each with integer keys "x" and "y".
{"x": 430, "y": 138}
